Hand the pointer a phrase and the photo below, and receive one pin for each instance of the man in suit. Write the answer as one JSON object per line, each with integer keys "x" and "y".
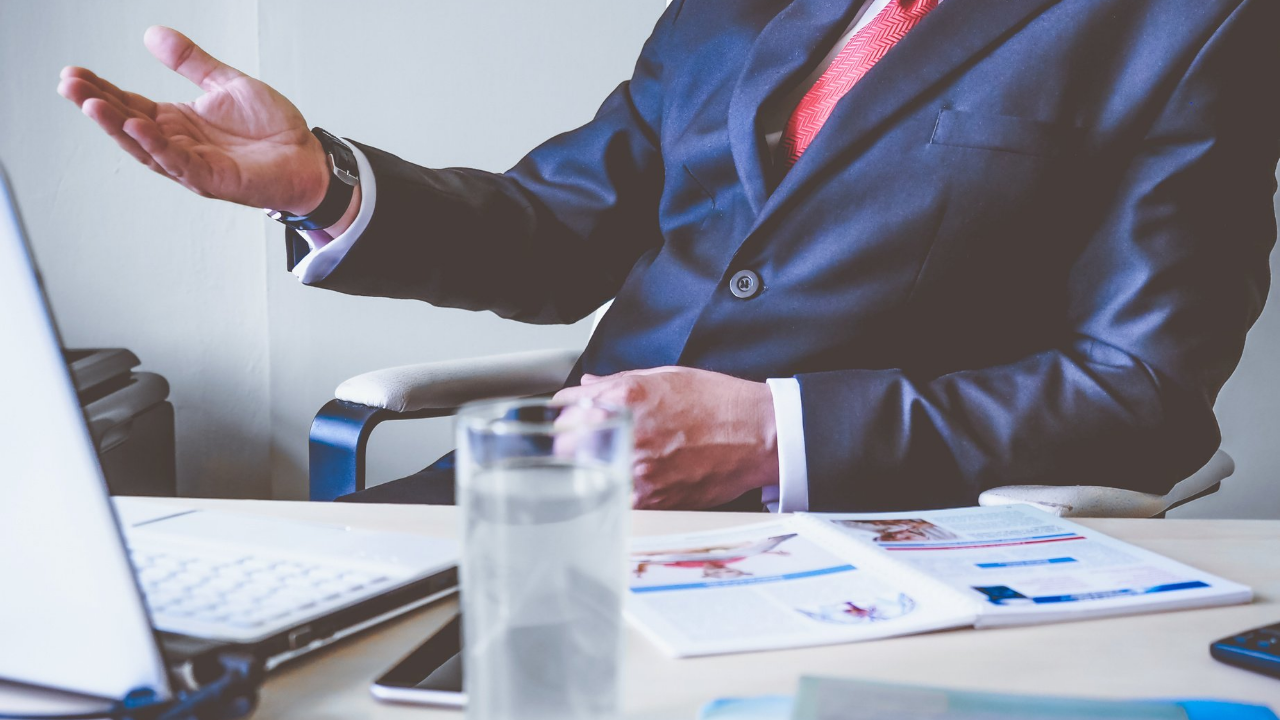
{"x": 866, "y": 254}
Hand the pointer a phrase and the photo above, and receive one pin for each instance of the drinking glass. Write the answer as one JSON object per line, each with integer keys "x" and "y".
{"x": 544, "y": 489}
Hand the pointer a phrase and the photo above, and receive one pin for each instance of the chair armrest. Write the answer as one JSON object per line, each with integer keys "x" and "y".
{"x": 341, "y": 430}
{"x": 450, "y": 383}
{"x": 1093, "y": 501}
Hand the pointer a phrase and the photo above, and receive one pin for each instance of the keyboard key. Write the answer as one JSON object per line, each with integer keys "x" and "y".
{"x": 226, "y": 583}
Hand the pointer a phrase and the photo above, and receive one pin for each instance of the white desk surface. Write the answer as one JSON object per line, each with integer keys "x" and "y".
{"x": 1162, "y": 655}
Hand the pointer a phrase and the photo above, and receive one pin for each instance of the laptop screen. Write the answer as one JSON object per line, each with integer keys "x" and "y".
{"x": 71, "y": 615}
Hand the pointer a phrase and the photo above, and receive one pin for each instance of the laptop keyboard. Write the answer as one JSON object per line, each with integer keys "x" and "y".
{"x": 242, "y": 595}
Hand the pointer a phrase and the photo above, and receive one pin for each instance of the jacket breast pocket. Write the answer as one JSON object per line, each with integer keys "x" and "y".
{"x": 1004, "y": 133}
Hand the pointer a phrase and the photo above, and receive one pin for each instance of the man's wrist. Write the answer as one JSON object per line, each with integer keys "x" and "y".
{"x": 314, "y": 179}
{"x": 320, "y": 188}
{"x": 328, "y": 251}
{"x": 337, "y": 189}
{"x": 761, "y": 407}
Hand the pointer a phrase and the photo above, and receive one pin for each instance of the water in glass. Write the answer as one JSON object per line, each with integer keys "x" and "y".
{"x": 543, "y": 577}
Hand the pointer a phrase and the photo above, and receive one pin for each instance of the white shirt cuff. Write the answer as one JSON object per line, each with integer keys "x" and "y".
{"x": 325, "y": 255}
{"x": 791, "y": 494}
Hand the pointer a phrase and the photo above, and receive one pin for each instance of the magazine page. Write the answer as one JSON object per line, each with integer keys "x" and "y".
{"x": 771, "y": 586}
{"x": 1026, "y": 566}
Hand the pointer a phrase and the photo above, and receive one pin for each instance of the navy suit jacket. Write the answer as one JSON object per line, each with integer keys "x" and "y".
{"x": 1025, "y": 248}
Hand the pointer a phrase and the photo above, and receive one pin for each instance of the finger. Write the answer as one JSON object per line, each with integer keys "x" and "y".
{"x": 186, "y": 58}
{"x": 78, "y": 85}
{"x": 599, "y": 388}
{"x": 77, "y": 91}
{"x": 111, "y": 120}
{"x": 80, "y": 91}
{"x": 576, "y": 394}
{"x": 644, "y": 371}
{"x": 133, "y": 101}
{"x": 176, "y": 160}
{"x": 588, "y": 378}
{"x": 576, "y": 428}
{"x": 568, "y": 430}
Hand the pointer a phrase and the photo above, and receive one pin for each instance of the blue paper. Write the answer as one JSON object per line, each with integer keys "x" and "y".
{"x": 1216, "y": 710}
{"x": 961, "y": 704}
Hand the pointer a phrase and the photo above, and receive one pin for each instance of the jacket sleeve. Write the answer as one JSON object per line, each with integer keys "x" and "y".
{"x": 548, "y": 241}
{"x": 1159, "y": 302}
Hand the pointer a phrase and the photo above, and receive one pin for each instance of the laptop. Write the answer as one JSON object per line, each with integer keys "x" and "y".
{"x": 101, "y": 597}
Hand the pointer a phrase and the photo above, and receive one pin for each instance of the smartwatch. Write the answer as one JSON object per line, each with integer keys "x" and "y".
{"x": 344, "y": 176}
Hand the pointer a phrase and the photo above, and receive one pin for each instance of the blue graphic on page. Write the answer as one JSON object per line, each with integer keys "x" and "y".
{"x": 746, "y": 581}
{"x": 1005, "y": 595}
{"x": 1025, "y": 563}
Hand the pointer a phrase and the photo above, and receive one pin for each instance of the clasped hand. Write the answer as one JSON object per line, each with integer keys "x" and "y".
{"x": 702, "y": 438}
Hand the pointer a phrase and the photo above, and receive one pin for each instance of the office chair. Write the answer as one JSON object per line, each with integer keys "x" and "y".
{"x": 341, "y": 430}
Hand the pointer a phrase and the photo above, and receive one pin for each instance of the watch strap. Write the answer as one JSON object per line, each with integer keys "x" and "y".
{"x": 344, "y": 176}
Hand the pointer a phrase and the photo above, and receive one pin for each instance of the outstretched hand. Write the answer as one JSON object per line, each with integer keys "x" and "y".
{"x": 240, "y": 141}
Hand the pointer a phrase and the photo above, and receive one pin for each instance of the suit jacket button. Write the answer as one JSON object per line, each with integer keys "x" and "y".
{"x": 744, "y": 284}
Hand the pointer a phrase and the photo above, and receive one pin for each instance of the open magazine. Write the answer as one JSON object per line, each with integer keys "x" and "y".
{"x": 817, "y": 579}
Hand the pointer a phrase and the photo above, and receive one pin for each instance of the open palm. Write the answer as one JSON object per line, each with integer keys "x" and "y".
{"x": 240, "y": 141}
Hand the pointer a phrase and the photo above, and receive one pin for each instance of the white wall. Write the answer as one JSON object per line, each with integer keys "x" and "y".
{"x": 130, "y": 258}
{"x": 198, "y": 289}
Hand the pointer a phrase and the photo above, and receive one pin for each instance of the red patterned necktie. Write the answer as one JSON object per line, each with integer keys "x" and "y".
{"x": 863, "y": 50}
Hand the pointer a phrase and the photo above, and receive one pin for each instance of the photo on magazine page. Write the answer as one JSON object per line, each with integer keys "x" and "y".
{"x": 781, "y": 557}
{"x": 769, "y": 586}
{"x": 1021, "y": 562}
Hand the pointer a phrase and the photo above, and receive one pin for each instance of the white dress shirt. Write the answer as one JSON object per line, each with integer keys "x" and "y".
{"x": 791, "y": 494}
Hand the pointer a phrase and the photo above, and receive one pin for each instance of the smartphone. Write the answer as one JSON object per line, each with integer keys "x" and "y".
{"x": 430, "y": 675}
{"x": 1257, "y": 650}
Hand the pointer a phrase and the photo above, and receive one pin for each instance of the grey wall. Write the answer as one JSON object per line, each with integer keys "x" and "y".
{"x": 198, "y": 288}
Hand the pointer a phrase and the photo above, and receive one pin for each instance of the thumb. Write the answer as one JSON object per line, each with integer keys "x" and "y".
{"x": 186, "y": 58}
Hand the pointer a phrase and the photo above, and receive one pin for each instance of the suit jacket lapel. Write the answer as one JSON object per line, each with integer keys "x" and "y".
{"x": 780, "y": 57}
{"x": 955, "y": 32}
